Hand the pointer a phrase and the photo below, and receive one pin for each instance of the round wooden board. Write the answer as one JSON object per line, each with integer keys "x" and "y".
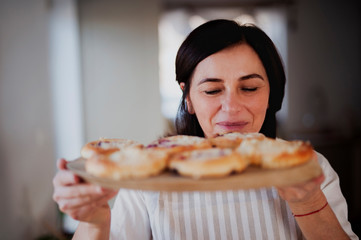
{"x": 252, "y": 177}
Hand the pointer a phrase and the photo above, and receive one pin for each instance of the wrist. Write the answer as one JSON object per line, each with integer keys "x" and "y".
{"x": 105, "y": 221}
{"x": 313, "y": 204}
{"x": 311, "y": 213}
{"x": 94, "y": 230}
{"x": 101, "y": 219}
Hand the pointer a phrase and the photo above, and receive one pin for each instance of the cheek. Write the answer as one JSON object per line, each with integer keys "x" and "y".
{"x": 257, "y": 105}
{"x": 262, "y": 104}
{"x": 205, "y": 109}
{"x": 259, "y": 109}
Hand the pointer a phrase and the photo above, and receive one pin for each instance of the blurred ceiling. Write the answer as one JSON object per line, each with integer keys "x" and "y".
{"x": 222, "y": 3}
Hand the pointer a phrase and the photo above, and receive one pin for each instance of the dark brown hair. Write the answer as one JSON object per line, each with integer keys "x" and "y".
{"x": 215, "y": 36}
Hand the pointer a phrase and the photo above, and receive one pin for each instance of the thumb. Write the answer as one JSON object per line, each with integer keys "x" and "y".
{"x": 61, "y": 164}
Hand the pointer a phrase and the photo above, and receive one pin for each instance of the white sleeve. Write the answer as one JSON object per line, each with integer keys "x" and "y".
{"x": 331, "y": 189}
{"x": 129, "y": 217}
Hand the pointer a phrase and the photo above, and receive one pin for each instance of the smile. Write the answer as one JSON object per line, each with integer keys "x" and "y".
{"x": 232, "y": 126}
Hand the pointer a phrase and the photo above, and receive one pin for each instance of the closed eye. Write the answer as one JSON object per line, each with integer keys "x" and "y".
{"x": 213, "y": 92}
{"x": 249, "y": 89}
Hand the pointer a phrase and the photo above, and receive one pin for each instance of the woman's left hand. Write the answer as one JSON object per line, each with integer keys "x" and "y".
{"x": 306, "y": 200}
{"x": 304, "y": 194}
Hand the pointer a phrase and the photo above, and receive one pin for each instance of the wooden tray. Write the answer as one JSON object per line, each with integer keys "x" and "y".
{"x": 252, "y": 177}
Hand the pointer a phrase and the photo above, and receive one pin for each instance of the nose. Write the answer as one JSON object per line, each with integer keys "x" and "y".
{"x": 231, "y": 103}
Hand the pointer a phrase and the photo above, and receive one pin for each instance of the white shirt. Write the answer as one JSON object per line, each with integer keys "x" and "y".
{"x": 243, "y": 214}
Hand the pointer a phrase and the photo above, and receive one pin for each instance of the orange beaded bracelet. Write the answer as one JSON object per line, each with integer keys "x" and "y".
{"x": 310, "y": 213}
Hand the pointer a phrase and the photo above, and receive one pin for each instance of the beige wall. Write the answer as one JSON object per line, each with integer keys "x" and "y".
{"x": 120, "y": 90}
{"x": 119, "y": 45}
{"x": 26, "y": 134}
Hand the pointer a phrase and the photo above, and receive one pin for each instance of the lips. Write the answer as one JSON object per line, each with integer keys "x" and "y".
{"x": 232, "y": 126}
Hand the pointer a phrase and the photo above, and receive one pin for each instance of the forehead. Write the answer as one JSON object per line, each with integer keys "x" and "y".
{"x": 231, "y": 62}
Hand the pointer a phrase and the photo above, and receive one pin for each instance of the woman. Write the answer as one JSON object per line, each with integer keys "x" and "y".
{"x": 232, "y": 80}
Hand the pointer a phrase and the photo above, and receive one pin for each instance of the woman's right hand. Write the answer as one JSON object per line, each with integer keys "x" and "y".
{"x": 82, "y": 201}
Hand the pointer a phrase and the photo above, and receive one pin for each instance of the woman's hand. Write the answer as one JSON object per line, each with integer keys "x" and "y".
{"x": 303, "y": 192}
{"x": 304, "y": 196}
{"x": 311, "y": 210}
{"x": 82, "y": 201}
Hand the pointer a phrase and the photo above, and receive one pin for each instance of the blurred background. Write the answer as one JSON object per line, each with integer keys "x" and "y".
{"x": 73, "y": 71}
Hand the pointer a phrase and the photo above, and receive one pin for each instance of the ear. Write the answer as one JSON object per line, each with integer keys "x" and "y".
{"x": 189, "y": 106}
{"x": 182, "y": 85}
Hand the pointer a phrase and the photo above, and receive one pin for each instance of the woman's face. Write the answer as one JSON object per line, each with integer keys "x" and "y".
{"x": 229, "y": 92}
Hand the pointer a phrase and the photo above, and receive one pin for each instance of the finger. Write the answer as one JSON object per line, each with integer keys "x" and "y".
{"x": 77, "y": 191}
{"x": 319, "y": 179}
{"x": 311, "y": 184}
{"x": 302, "y": 188}
{"x": 301, "y": 191}
{"x": 65, "y": 178}
{"x": 314, "y": 184}
{"x": 61, "y": 164}
{"x": 292, "y": 192}
{"x": 84, "y": 190}
{"x": 90, "y": 201}
{"x": 89, "y": 213}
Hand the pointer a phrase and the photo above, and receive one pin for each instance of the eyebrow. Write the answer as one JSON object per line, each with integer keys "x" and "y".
{"x": 250, "y": 76}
